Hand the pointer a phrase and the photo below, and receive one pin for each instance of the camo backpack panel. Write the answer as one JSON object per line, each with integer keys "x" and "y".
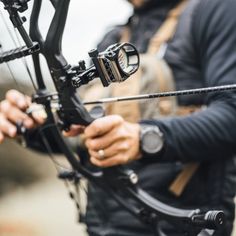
{"x": 153, "y": 76}
{"x": 157, "y": 77}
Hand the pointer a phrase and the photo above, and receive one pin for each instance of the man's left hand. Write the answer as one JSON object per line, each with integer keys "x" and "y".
{"x": 112, "y": 141}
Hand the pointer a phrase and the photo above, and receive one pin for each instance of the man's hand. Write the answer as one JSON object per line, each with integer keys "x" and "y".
{"x": 12, "y": 110}
{"x": 112, "y": 141}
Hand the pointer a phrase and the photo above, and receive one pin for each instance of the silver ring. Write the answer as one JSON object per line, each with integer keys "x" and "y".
{"x": 101, "y": 154}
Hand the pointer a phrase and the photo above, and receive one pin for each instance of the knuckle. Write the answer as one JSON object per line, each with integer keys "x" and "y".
{"x": 124, "y": 146}
{"x": 90, "y": 144}
{"x": 12, "y": 94}
{"x": 119, "y": 119}
{"x": 91, "y": 131}
{"x": 96, "y": 127}
{"x": 121, "y": 133}
{"x": 93, "y": 145}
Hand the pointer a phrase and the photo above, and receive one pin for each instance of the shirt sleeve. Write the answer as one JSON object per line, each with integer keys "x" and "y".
{"x": 211, "y": 133}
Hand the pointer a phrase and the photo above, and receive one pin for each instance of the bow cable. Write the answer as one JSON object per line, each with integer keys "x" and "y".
{"x": 25, "y": 63}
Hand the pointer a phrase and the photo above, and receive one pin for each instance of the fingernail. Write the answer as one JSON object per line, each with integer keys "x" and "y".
{"x": 12, "y": 131}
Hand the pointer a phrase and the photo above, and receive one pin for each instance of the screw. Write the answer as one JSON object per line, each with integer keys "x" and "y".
{"x": 133, "y": 178}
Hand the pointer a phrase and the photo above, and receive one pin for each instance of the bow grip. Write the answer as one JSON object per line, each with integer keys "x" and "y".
{"x": 80, "y": 115}
{"x": 72, "y": 110}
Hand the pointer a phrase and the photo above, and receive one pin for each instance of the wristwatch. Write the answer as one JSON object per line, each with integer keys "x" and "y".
{"x": 151, "y": 140}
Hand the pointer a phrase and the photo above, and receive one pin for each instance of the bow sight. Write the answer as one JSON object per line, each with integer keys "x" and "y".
{"x": 115, "y": 64}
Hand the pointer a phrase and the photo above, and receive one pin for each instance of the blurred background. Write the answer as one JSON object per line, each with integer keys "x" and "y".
{"x": 32, "y": 200}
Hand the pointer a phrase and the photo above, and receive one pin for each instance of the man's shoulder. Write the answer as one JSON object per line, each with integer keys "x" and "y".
{"x": 207, "y": 5}
{"x": 213, "y": 17}
{"x": 218, "y": 8}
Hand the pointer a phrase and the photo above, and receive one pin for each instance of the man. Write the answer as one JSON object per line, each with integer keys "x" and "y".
{"x": 201, "y": 53}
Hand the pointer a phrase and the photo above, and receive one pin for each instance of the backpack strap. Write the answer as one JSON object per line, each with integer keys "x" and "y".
{"x": 180, "y": 182}
{"x": 168, "y": 28}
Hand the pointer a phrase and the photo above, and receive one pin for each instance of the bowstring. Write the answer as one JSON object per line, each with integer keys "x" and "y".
{"x": 74, "y": 194}
{"x": 22, "y": 59}
{"x": 1, "y": 50}
{"x": 11, "y": 71}
{"x": 25, "y": 63}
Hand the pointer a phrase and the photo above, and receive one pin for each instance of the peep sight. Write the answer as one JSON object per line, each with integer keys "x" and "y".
{"x": 117, "y": 63}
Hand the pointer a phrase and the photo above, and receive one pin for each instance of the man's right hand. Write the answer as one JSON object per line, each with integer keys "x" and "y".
{"x": 13, "y": 110}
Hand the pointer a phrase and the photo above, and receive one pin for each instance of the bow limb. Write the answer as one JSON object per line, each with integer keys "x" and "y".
{"x": 35, "y": 34}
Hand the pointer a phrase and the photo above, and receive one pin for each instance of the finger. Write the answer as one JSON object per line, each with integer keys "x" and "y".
{"x": 102, "y": 126}
{"x": 74, "y": 131}
{"x": 39, "y": 117}
{"x": 1, "y": 137}
{"x": 102, "y": 142}
{"x": 37, "y": 112}
{"x": 15, "y": 115}
{"x": 111, "y": 151}
{"x": 18, "y": 99}
{"x": 109, "y": 162}
{"x": 6, "y": 127}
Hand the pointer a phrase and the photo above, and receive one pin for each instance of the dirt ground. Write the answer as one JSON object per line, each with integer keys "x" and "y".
{"x": 35, "y": 202}
{"x": 43, "y": 209}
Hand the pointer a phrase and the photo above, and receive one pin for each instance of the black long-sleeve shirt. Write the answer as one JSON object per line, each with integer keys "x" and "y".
{"x": 202, "y": 53}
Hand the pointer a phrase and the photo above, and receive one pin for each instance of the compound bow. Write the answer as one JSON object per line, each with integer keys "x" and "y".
{"x": 113, "y": 65}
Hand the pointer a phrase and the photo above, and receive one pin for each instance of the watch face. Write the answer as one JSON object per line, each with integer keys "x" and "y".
{"x": 152, "y": 141}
